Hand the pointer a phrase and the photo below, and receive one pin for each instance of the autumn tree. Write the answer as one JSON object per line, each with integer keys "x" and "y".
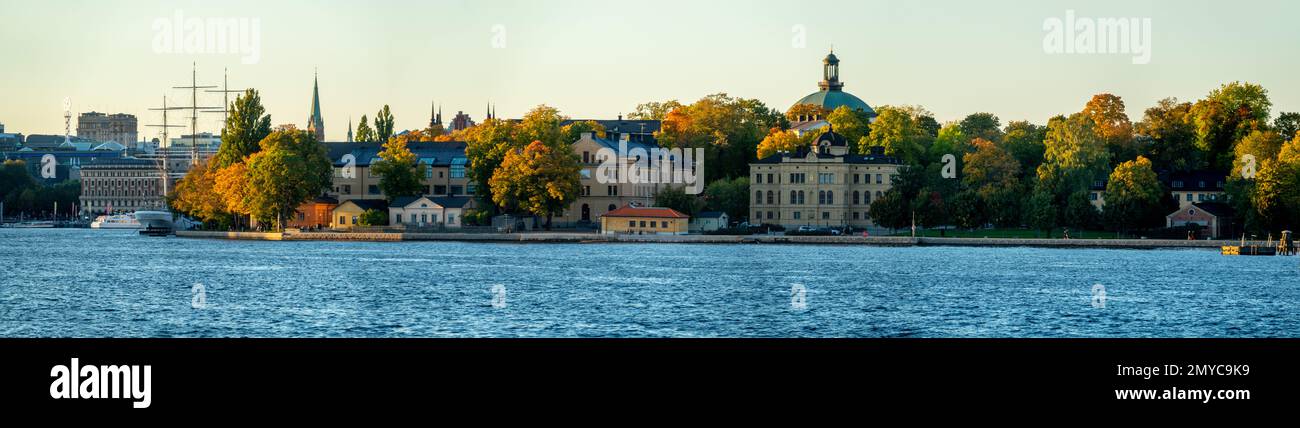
{"x": 728, "y": 129}
{"x": 1074, "y": 156}
{"x": 852, "y": 124}
{"x": 539, "y": 179}
{"x": 195, "y": 194}
{"x": 486, "y": 146}
{"x": 778, "y": 140}
{"x": 231, "y": 184}
{"x": 1113, "y": 124}
{"x": 805, "y": 112}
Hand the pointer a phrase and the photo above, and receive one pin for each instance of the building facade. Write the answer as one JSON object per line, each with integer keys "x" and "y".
{"x": 121, "y": 185}
{"x": 119, "y": 127}
{"x": 644, "y": 221}
{"x": 822, "y": 186}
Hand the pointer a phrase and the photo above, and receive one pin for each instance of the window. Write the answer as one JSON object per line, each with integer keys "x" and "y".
{"x": 585, "y": 173}
{"x": 611, "y": 190}
{"x": 826, "y": 215}
{"x": 758, "y": 178}
{"x": 794, "y": 197}
{"x": 424, "y": 218}
{"x": 826, "y": 178}
{"x": 642, "y": 223}
{"x": 801, "y": 201}
{"x": 451, "y": 219}
{"x": 472, "y": 188}
{"x": 769, "y": 179}
{"x": 1200, "y": 197}
{"x": 1189, "y": 197}
{"x": 373, "y": 190}
{"x": 586, "y": 158}
{"x": 1092, "y": 196}
{"x": 458, "y": 167}
{"x": 354, "y": 220}
{"x": 821, "y": 197}
{"x": 631, "y": 223}
{"x": 769, "y": 215}
{"x": 654, "y": 224}
{"x": 857, "y": 178}
{"x": 439, "y": 190}
{"x": 1177, "y": 184}
{"x": 830, "y": 197}
{"x": 457, "y": 190}
{"x": 855, "y": 215}
{"x": 758, "y": 197}
{"x": 770, "y": 197}
{"x": 857, "y": 198}
{"x": 796, "y": 215}
{"x": 880, "y": 179}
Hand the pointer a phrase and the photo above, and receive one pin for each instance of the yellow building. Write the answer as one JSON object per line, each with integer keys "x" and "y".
{"x": 823, "y": 185}
{"x": 644, "y": 221}
{"x": 347, "y": 215}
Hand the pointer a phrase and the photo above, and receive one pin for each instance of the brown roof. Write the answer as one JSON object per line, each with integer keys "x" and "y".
{"x": 655, "y": 212}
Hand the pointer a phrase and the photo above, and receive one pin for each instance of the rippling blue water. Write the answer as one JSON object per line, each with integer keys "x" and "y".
{"x": 92, "y": 283}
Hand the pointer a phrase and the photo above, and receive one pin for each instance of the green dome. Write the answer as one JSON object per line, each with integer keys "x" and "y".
{"x": 832, "y": 99}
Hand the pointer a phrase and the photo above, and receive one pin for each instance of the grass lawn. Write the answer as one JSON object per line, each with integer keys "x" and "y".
{"x": 1008, "y": 233}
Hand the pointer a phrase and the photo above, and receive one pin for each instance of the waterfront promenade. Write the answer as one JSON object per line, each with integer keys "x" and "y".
{"x": 578, "y": 237}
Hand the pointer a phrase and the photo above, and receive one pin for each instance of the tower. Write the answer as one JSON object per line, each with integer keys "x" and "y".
{"x": 349, "y": 129}
{"x": 315, "y": 123}
{"x": 831, "y": 73}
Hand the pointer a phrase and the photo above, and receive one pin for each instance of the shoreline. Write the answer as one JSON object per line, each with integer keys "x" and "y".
{"x": 588, "y": 238}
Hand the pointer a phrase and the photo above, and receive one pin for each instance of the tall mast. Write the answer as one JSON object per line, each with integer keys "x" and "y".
{"x": 194, "y": 115}
{"x": 162, "y": 167}
{"x": 225, "y": 99}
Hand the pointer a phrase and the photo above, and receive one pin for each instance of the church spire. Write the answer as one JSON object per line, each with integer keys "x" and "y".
{"x": 349, "y": 129}
{"x": 316, "y": 123}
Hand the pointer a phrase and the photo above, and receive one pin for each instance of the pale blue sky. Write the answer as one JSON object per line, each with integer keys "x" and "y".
{"x": 595, "y": 59}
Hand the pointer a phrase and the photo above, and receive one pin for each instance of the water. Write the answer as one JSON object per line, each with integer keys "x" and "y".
{"x": 94, "y": 283}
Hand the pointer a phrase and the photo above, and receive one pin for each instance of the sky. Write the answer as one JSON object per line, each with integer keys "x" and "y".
{"x": 598, "y": 59}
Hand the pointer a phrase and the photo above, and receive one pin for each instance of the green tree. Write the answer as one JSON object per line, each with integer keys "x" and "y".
{"x": 374, "y": 217}
{"x": 728, "y": 195}
{"x": 399, "y": 170}
{"x": 654, "y": 110}
{"x": 852, "y": 124}
{"x": 982, "y": 125}
{"x": 1287, "y": 124}
{"x": 291, "y": 169}
{"x": 1040, "y": 211}
{"x": 950, "y": 141}
{"x": 898, "y": 131}
{"x": 383, "y": 124}
{"x": 573, "y": 131}
{"x": 1080, "y": 213}
{"x": 1262, "y": 145}
{"x": 539, "y": 179}
{"x": 365, "y": 134}
{"x": 245, "y": 128}
{"x": 1075, "y": 155}
{"x": 677, "y": 198}
{"x": 1226, "y": 115}
{"x": 1134, "y": 197}
{"x": 992, "y": 174}
{"x": 1172, "y": 137}
{"x": 968, "y": 210}
{"x": 1024, "y": 141}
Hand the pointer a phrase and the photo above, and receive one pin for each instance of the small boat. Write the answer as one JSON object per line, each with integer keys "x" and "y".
{"x": 119, "y": 221}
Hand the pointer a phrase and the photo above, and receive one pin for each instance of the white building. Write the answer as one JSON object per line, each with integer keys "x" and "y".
{"x": 428, "y": 211}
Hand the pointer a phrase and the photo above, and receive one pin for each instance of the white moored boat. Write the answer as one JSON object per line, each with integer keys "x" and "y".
{"x": 118, "y": 221}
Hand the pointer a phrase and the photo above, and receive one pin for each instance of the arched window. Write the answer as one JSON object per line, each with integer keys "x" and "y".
{"x": 821, "y": 197}
{"x": 771, "y": 197}
{"x": 801, "y": 201}
{"x": 830, "y": 197}
{"x": 794, "y": 198}
{"x": 856, "y": 198}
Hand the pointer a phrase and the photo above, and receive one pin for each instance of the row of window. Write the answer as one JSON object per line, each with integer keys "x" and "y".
{"x": 133, "y": 192}
{"x": 424, "y": 218}
{"x": 824, "y": 197}
{"x": 653, "y": 224}
{"x": 822, "y": 178}
{"x": 798, "y": 215}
